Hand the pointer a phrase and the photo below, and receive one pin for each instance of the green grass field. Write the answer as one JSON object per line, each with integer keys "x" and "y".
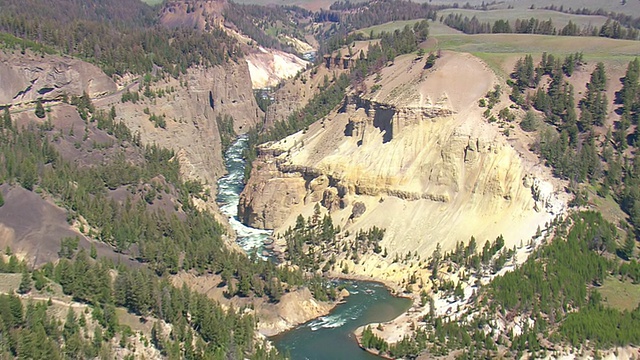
{"x": 388, "y": 27}
{"x": 521, "y": 43}
{"x": 435, "y": 28}
{"x": 152, "y": 2}
{"x": 620, "y": 295}
{"x": 559, "y": 19}
{"x": 630, "y": 7}
{"x": 498, "y": 49}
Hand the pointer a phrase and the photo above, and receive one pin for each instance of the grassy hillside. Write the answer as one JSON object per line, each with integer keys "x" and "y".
{"x": 621, "y": 295}
{"x": 630, "y": 7}
{"x": 559, "y": 19}
{"x": 499, "y": 49}
{"x": 435, "y": 28}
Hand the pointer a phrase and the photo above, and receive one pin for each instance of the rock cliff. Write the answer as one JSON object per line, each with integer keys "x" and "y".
{"x": 189, "y": 105}
{"x": 269, "y": 67}
{"x": 200, "y": 15}
{"x": 190, "y": 109}
{"x": 28, "y": 77}
{"x": 190, "y": 113}
{"x": 416, "y": 154}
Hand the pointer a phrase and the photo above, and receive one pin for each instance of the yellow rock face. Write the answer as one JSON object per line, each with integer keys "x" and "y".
{"x": 418, "y": 154}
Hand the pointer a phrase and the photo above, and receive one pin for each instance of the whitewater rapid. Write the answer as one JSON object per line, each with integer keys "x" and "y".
{"x": 331, "y": 336}
{"x": 229, "y": 189}
{"x": 327, "y": 337}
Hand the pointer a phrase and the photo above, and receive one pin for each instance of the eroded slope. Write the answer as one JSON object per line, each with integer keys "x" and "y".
{"x": 420, "y": 157}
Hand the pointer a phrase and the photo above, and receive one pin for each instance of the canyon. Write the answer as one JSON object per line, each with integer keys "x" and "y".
{"x": 414, "y": 157}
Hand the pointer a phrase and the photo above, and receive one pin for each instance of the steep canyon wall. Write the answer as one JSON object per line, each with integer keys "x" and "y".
{"x": 420, "y": 158}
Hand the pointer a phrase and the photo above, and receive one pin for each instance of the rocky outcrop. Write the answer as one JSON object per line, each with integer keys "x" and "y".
{"x": 387, "y": 118}
{"x": 270, "y": 195}
{"x": 189, "y": 105}
{"x": 543, "y": 194}
{"x": 200, "y": 15}
{"x": 269, "y": 67}
{"x": 190, "y": 113}
{"x": 26, "y": 78}
{"x": 427, "y": 171}
{"x": 408, "y": 153}
{"x": 294, "y": 308}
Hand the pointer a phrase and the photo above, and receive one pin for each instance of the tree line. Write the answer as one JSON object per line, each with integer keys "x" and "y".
{"x": 556, "y": 287}
{"x": 610, "y": 29}
{"x": 166, "y": 241}
{"x": 201, "y": 328}
{"x": 626, "y": 20}
{"x": 118, "y": 41}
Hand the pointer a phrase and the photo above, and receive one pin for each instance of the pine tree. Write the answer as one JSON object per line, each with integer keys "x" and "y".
{"x": 25, "y": 283}
{"x": 155, "y": 336}
{"x": 629, "y": 247}
{"x": 70, "y": 325}
{"x": 97, "y": 338}
{"x": 529, "y": 122}
{"x": 40, "y": 109}
{"x": 628, "y": 94}
{"x": 1, "y": 200}
{"x": 6, "y": 119}
{"x": 40, "y": 280}
{"x": 435, "y": 261}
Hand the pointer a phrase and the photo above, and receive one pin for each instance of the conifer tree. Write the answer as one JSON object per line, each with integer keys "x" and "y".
{"x": 25, "y": 283}
{"x": 40, "y": 109}
{"x": 629, "y": 247}
{"x": 6, "y": 119}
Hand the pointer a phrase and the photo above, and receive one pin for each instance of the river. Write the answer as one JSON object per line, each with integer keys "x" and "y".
{"x": 228, "y": 197}
{"x": 328, "y": 337}
{"x": 331, "y": 336}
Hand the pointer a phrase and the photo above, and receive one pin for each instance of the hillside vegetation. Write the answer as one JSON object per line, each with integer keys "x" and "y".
{"x": 119, "y": 36}
{"x": 132, "y": 198}
{"x": 404, "y": 135}
{"x": 581, "y": 117}
{"x": 552, "y": 298}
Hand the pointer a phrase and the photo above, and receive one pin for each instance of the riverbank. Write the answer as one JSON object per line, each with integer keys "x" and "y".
{"x": 297, "y": 307}
{"x": 445, "y": 304}
{"x": 332, "y": 336}
{"x": 294, "y": 309}
{"x": 395, "y": 329}
{"x": 287, "y": 318}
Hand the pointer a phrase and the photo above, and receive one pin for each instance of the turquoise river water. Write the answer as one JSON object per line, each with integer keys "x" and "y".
{"x": 328, "y": 337}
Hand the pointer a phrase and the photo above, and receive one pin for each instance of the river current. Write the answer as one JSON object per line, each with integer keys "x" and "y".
{"x": 229, "y": 189}
{"x": 328, "y": 337}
